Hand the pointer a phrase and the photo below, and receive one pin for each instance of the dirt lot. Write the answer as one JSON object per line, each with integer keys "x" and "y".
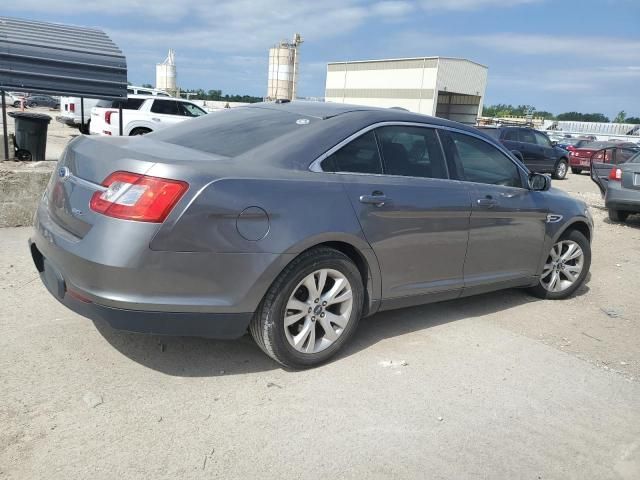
{"x": 497, "y": 386}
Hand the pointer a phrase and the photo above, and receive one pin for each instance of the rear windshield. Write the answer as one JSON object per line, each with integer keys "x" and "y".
{"x": 492, "y": 132}
{"x": 233, "y": 132}
{"x": 128, "y": 104}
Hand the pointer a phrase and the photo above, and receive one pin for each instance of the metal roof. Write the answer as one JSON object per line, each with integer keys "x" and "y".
{"x": 60, "y": 59}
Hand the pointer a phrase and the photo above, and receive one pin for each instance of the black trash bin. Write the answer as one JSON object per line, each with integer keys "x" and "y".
{"x": 31, "y": 135}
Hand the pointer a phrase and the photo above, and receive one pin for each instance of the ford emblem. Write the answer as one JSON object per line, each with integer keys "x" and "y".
{"x": 64, "y": 173}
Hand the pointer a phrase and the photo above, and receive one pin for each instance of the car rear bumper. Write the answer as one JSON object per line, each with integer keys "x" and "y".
{"x": 174, "y": 293}
{"x": 622, "y": 199}
{"x": 196, "y": 324}
{"x": 583, "y": 163}
{"x": 70, "y": 121}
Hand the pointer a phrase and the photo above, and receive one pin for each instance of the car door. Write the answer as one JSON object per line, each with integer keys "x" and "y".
{"x": 531, "y": 151}
{"x": 165, "y": 113}
{"x": 507, "y": 224}
{"x": 548, "y": 156}
{"x": 414, "y": 217}
{"x": 604, "y": 160}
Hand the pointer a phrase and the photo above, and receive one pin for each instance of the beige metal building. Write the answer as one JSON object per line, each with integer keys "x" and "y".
{"x": 450, "y": 88}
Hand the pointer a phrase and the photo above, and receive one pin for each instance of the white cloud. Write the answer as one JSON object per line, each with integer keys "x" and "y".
{"x": 472, "y": 4}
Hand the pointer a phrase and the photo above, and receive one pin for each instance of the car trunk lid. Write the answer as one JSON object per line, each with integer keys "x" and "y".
{"x": 88, "y": 161}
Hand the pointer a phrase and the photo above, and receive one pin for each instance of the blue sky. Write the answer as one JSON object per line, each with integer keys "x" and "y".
{"x": 558, "y": 55}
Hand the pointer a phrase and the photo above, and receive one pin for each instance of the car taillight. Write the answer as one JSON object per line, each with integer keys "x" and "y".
{"x": 72, "y": 107}
{"x": 107, "y": 116}
{"x": 131, "y": 196}
{"x": 615, "y": 174}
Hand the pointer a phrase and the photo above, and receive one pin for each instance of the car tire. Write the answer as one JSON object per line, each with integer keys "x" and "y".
{"x": 33, "y": 104}
{"x": 575, "y": 170}
{"x": 307, "y": 320}
{"x": 139, "y": 131}
{"x": 16, "y": 104}
{"x": 561, "y": 169}
{"x": 542, "y": 290}
{"x": 618, "y": 215}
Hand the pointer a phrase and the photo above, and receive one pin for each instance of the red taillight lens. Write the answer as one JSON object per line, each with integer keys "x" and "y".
{"x": 107, "y": 117}
{"x": 131, "y": 196}
{"x": 615, "y": 174}
{"x": 72, "y": 107}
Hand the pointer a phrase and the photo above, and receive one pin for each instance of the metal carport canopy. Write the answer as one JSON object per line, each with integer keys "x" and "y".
{"x": 57, "y": 59}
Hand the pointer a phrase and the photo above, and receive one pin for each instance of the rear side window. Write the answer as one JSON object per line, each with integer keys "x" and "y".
{"x": 165, "y": 107}
{"x": 128, "y": 104}
{"x": 411, "y": 152}
{"x": 358, "y": 156}
{"x": 234, "y": 131}
{"x": 478, "y": 161}
{"x": 526, "y": 136}
{"x": 511, "y": 135}
{"x": 492, "y": 132}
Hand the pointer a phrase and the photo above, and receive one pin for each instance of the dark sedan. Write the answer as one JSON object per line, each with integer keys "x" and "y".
{"x": 42, "y": 101}
{"x": 295, "y": 220}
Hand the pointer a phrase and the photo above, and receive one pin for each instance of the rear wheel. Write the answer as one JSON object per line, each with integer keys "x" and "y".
{"x": 140, "y": 131}
{"x": 618, "y": 215}
{"x": 33, "y": 104}
{"x": 561, "y": 170}
{"x": 311, "y": 309}
{"x": 16, "y": 104}
{"x": 575, "y": 170}
{"x": 566, "y": 267}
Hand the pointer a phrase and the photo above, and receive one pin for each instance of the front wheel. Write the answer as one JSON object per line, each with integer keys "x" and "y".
{"x": 311, "y": 310}
{"x": 561, "y": 170}
{"x": 566, "y": 267}
{"x": 139, "y": 131}
{"x": 33, "y": 104}
{"x": 575, "y": 170}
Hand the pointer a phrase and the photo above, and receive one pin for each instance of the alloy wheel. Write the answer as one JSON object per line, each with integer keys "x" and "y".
{"x": 563, "y": 266}
{"x": 318, "y": 310}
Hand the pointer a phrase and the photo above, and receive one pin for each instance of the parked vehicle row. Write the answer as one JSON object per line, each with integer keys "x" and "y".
{"x": 71, "y": 108}
{"x": 16, "y": 99}
{"x": 581, "y": 158}
{"x": 141, "y": 114}
{"x": 294, "y": 220}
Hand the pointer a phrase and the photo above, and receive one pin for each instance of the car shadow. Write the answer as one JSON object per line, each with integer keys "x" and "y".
{"x": 201, "y": 357}
{"x": 632, "y": 221}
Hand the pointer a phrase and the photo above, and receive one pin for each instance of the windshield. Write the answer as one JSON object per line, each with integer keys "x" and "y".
{"x": 233, "y": 132}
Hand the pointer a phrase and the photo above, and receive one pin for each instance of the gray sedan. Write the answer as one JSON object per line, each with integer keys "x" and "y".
{"x": 295, "y": 220}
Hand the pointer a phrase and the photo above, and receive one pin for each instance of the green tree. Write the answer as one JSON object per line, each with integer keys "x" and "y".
{"x": 620, "y": 118}
{"x": 147, "y": 85}
{"x": 634, "y": 120}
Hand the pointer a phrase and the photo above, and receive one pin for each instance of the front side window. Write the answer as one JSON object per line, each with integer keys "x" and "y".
{"x": 480, "y": 162}
{"x": 165, "y": 107}
{"x": 190, "y": 110}
{"x": 358, "y": 156}
{"x": 411, "y": 152}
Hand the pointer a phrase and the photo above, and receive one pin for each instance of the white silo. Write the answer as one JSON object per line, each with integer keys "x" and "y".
{"x": 166, "y": 74}
{"x": 283, "y": 70}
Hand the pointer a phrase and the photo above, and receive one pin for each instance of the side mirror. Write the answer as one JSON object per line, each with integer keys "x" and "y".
{"x": 554, "y": 143}
{"x": 539, "y": 182}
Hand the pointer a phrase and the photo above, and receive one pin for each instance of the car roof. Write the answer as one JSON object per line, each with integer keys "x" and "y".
{"x": 326, "y": 110}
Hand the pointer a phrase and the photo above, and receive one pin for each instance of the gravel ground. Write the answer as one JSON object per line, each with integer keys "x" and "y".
{"x": 496, "y": 386}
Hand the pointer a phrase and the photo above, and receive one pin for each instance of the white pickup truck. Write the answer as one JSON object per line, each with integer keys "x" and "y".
{"x": 70, "y": 109}
{"x": 141, "y": 114}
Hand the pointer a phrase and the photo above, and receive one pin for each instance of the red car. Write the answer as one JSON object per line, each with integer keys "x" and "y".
{"x": 580, "y": 158}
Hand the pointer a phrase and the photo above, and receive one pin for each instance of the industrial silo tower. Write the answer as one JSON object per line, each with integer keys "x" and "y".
{"x": 283, "y": 70}
{"x": 166, "y": 74}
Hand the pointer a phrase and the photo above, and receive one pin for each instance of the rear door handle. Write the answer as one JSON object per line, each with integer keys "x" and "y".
{"x": 487, "y": 202}
{"x": 376, "y": 198}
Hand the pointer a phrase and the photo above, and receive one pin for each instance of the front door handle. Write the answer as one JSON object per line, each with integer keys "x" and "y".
{"x": 487, "y": 202}
{"x": 376, "y": 198}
